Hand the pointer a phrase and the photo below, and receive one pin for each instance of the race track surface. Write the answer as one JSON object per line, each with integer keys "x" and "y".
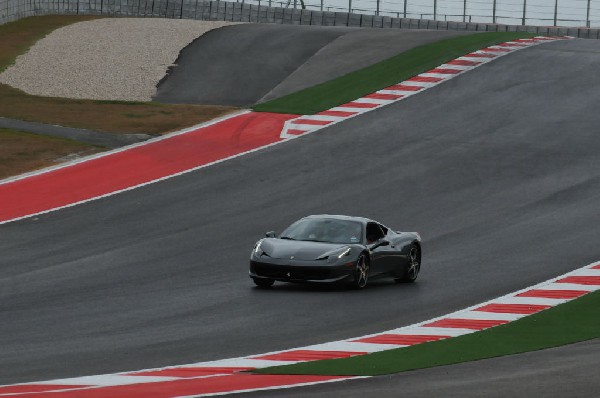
{"x": 240, "y": 65}
{"x": 498, "y": 169}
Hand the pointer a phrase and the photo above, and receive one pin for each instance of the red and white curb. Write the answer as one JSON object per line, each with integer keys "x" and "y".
{"x": 226, "y": 376}
{"x": 309, "y": 123}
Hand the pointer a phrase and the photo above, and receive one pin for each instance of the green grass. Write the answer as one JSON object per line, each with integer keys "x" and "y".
{"x": 383, "y": 74}
{"x": 568, "y": 323}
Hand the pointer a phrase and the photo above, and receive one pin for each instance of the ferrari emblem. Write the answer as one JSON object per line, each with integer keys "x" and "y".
{"x": 289, "y": 275}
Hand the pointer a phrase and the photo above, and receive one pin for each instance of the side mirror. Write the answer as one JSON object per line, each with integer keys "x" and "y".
{"x": 271, "y": 234}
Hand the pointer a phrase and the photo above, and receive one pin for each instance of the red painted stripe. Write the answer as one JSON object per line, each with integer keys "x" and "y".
{"x": 308, "y": 355}
{"x": 296, "y": 132}
{"x": 478, "y": 55}
{"x": 337, "y": 113}
{"x": 34, "y": 388}
{"x": 445, "y": 71}
{"x": 557, "y": 294}
{"x": 463, "y": 62}
{"x": 400, "y": 339}
{"x": 596, "y": 267}
{"x": 403, "y": 87}
{"x": 509, "y": 45}
{"x": 525, "y": 40}
{"x": 190, "y": 372}
{"x": 384, "y": 96}
{"x": 498, "y": 50}
{"x": 189, "y": 387}
{"x": 425, "y": 79}
{"x": 475, "y": 324}
{"x": 581, "y": 280}
{"x": 358, "y": 105}
{"x": 512, "y": 308}
{"x": 312, "y": 122}
{"x": 139, "y": 165}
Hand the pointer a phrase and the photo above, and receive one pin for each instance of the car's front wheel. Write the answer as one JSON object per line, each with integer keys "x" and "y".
{"x": 414, "y": 265}
{"x": 263, "y": 282}
{"x": 361, "y": 272}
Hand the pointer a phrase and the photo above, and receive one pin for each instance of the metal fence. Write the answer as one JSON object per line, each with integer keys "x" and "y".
{"x": 272, "y": 11}
{"x": 578, "y": 13}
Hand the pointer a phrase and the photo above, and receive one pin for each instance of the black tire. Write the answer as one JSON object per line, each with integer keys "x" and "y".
{"x": 414, "y": 265}
{"x": 361, "y": 272}
{"x": 263, "y": 283}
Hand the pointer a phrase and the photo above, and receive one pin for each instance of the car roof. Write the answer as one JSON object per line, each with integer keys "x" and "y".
{"x": 341, "y": 217}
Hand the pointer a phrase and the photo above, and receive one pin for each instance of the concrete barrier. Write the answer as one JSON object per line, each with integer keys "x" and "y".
{"x": 11, "y": 10}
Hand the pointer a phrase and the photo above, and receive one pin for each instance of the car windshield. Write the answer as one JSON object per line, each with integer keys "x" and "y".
{"x": 324, "y": 230}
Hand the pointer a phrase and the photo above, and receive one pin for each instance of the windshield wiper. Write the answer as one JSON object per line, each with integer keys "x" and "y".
{"x": 287, "y": 238}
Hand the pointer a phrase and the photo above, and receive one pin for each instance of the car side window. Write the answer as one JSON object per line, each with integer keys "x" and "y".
{"x": 374, "y": 233}
{"x": 384, "y": 229}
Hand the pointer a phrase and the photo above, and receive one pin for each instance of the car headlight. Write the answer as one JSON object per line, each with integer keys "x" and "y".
{"x": 257, "y": 251}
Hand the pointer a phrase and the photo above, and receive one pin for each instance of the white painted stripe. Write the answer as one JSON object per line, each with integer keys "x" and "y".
{"x": 347, "y": 109}
{"x": 398, "y": 92}
{"x": 245, "y": 362}
{"x": 352, "y": 347}
{"x": 364, "y": 100}
{"x": 444, "y": 76}
{"x": 420, "y": 84}
{"x": 569, "y": 286}
{"x": 457, "y": 67}
{"x": 476, "y": 59}
{"x": 111, "y": 380}
{"x": 588, "y": 272}
{"x": 529, "y": 300}
{"x": 430, "y": 331}
{"x": 322, "y": 117}
{"x": 491, "y": 316}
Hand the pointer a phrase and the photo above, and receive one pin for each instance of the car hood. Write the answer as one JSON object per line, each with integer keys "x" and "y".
{"x": 299, "y": 250}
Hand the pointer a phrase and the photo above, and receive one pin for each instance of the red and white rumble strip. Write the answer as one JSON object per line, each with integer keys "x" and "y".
{"x": 397, "y": 92}
{"x": 226, "y": 376}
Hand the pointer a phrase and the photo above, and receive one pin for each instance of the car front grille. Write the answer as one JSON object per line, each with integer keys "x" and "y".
{"x": 290, "y": 272}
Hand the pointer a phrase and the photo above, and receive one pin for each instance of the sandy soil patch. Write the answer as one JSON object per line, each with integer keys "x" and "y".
{"x": 105, "y": 59}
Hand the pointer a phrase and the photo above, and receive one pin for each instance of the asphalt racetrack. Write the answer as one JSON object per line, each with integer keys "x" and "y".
{"x": 243, "y": 64}
{"x": 498, "y": 169}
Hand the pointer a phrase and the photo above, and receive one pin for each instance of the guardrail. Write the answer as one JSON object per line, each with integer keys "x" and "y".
{"x": 247, "y": 12}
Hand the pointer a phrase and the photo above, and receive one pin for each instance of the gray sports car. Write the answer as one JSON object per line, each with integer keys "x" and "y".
{"x": 330, "y": 249}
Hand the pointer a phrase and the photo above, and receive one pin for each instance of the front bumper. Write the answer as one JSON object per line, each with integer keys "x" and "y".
{"x": 301, "y": 271}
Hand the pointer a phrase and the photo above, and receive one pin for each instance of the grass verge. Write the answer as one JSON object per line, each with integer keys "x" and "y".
{"x": 575, "y": 321}
{"x": 22, "y": 152}
{"x": 111, "y": 116}
{"x": 383, "y": 74}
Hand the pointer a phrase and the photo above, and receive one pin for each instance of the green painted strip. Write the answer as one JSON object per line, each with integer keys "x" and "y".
{"x": 383, "y": 74}
{"x": 568, "y": 323}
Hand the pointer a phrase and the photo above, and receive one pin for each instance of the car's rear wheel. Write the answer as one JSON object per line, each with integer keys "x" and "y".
{"x": 414, "y": 265}
{"x": 263, "y": 282}
{"x": 361, "y": 272}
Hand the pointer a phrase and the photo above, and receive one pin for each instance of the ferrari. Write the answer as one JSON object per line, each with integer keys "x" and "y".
{"x": 335, "y": 249}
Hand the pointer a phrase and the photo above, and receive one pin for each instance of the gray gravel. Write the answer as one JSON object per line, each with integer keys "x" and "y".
{"x": 105, "y": 59}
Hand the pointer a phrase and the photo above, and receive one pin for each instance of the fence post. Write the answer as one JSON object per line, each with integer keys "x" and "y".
{"x": 405, "y": 1}
{"x": 587, "y": 18}
{"x": 494, "y": 12}
{"x": 465, "y": 11}
{"x": 377, "y": 12}
{"x": 555, "y": 12}
{"x": 321, "y": 5}
{"x": 349, "y": 6}
{"x": 524, "y": 13}
{"x": 434, "y": 10}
